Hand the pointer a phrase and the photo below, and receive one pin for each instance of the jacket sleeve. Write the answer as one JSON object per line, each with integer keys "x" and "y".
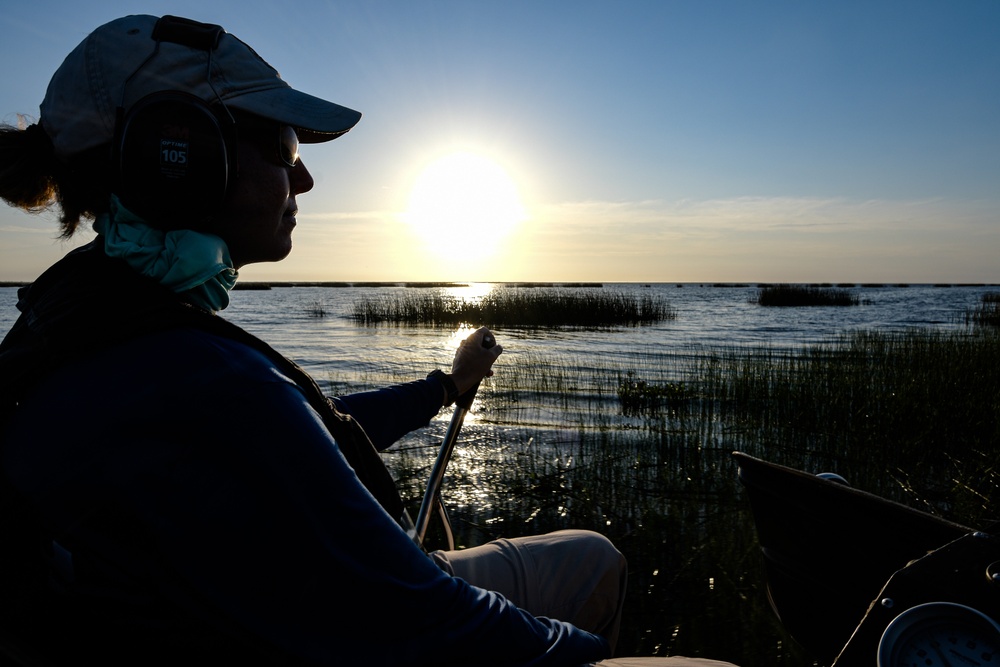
{"x": 401, "y": 607}
{"x": 388, "y": 414}
{"x": 363, "y": 592}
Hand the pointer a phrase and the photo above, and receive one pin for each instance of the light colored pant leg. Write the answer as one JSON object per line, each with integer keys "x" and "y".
{"x": 663, "y": 662}
{"x": 575, "y": 576}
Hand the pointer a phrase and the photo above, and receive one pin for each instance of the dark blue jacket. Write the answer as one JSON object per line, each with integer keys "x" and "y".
{"x": 195, "y": 486}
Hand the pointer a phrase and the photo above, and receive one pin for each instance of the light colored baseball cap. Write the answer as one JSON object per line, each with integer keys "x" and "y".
{"x": 115, "y": 66}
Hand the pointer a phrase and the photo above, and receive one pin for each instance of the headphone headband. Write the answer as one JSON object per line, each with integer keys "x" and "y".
{"x": 203, "y": 36}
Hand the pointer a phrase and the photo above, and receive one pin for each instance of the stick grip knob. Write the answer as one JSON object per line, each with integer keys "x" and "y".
{"x": 465, "y": 400}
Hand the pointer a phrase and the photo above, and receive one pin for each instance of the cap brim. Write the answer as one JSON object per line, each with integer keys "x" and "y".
{"x": 315, "y": 120}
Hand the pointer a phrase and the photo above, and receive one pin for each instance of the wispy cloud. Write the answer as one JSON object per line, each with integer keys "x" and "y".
{"x": 745, "y": 238}
{"x": 768, "y": 238}
{"x": 767, "y": 214}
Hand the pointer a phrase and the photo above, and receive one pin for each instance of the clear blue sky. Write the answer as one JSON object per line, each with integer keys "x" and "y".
{"x": 642, "y": 141}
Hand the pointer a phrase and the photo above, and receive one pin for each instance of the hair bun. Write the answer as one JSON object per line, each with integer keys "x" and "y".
{"x": 36, "y": 136}
{"x": 26, "y": 167}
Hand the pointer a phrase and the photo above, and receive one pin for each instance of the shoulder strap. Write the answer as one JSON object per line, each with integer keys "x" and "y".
{"x": 350, "y": 436}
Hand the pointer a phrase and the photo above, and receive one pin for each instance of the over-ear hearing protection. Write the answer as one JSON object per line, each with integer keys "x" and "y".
{"x": 174, "y": 155}
{"x": 175, "y": 158}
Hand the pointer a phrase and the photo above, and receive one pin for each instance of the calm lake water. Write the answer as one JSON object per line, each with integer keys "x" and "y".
{"x": 695, "y": 585}
{"x": 706, "y": 315}
{"x": 348, "y": 357}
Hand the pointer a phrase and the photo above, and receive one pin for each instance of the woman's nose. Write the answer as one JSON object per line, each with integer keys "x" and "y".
{"x": 300, "y": 179}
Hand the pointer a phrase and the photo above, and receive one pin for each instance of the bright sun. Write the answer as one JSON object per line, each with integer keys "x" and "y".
{"x": 460, "y": 197}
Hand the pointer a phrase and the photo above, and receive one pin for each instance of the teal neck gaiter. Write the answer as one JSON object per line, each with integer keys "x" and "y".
{"x": 192, "y": 264}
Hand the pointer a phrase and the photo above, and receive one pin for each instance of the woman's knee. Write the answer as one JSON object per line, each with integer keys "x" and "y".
{"x": 594, "y": 547}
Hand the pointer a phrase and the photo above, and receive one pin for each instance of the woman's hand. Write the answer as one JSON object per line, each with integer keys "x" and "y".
{"x": 472, "y": 361}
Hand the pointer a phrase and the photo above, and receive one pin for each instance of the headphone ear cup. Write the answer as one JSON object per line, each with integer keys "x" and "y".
{"x": 175, "y": 158}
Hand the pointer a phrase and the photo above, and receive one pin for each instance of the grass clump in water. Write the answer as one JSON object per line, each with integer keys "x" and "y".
{"x": 515, "y": 308}
{"x": 804, "y": 295}
{"x": 911, "y": 415}
{"x": 639, "y": 397}
{"x": 316, "y": 308}
{"x": 987, "y": 313}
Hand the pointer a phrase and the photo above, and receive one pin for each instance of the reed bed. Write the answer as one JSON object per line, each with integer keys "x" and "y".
{"x": 638, "y": 448}
{"x": 427, "y": 285}
{"x": 638, "y": 396}
{"x": 316, "y": 308}
{"x": 804, "y": 295}
{"x": 513, "y": 307}
{"x": 532, "y": 285}
{"x": 923, "y": 407}
{"x": 987, "y": 313}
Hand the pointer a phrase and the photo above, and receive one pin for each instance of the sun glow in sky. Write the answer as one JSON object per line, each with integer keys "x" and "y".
{"x": 462, "y": 205}
{"x": 646, "y": 140}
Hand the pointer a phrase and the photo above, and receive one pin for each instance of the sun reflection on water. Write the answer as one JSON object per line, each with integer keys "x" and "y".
{"x": 469, "y": 292}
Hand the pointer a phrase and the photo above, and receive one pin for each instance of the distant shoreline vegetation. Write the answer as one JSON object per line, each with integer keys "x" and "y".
{"x": 258, "y": 285}
{"x": 515, "y": 307}
{"x": 784, "y": 295}
{"x": 265, "y": 285}
{"x": 251, "y": 285}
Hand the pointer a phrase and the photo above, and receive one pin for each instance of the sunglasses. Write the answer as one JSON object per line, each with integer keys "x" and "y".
{"x": 288, "y": 145}
{"x": 287, "y": 140}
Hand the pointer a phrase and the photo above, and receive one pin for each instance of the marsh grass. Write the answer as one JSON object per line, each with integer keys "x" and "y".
{"x": 638, "y": 396}
{"x": 427, "y": 285}
{"x": 637, "y": 447}
{"x": 512, "y": 307}
{"x": 804, "y": 295}
{"x": 577, "y": 285}
{"x": 912, "y": 415}
{"x": 987, "y": 313}
{"x": 316, "y": 308}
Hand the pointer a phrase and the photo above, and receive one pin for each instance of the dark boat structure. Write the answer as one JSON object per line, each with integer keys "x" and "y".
{"x": 859, "y": 580}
